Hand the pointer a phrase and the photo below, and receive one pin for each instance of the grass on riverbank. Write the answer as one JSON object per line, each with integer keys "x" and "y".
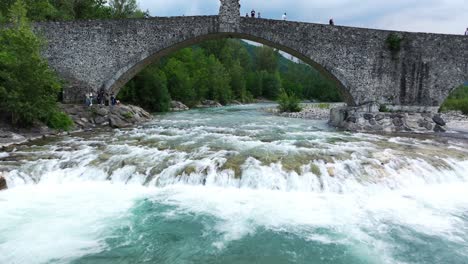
{"x": 457, "y": 101}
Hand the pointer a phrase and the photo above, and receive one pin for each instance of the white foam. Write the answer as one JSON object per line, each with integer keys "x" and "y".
{"x": 61, "y": 222}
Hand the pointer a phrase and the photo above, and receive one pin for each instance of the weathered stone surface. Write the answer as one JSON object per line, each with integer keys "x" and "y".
{"x": 379, "y": 117}
{"x": 368, "y": 116}
{"x": 387, "y": 122}
{"x": 209, "y": 103}
{"x": 178, "y": 106}
{"x": 398, "y": 122}
{"x": 116, "y": 122}
{"x": 438, "y": 120}
{"x": 439, "y": 129}
{"x": 91, "y": 55}
{"x": 102, "y": 111}
{"x": 3, "y": 183}
{"x": 117, "y": 116}
{"x": 100, "y": 120}
{"x": 351, "y": 119}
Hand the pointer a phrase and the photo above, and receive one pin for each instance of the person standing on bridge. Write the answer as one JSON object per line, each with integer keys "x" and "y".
{"x": 285, "y": 17}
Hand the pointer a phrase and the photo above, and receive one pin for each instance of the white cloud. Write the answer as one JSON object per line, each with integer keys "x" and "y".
{"x": 439, "y": 16}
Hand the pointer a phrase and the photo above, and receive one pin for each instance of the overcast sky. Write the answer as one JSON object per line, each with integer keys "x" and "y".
{"x": 440, "y": 16}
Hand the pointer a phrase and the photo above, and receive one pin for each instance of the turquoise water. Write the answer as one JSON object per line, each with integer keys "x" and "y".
{"x": 234, "y": 185}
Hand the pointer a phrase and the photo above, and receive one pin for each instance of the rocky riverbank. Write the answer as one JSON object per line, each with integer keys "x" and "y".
{"x": 369, "y": 119}
{"x": 315, "y": 111}
{"x": 84, "y": 118}
{"x": 118, "y": 116}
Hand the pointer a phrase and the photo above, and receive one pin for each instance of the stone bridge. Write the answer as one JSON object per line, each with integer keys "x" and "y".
{"x": 90, "y": 55}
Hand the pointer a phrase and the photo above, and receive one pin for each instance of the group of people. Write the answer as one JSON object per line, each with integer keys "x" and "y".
{"x": 259, "y": 15}
{"x": 252, "y": 14}
{"x": 284, "y": 17}
{"x": 101, "y": 99}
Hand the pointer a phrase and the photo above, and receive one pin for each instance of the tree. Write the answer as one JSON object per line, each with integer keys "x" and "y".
{"x": 123, "y": 8}
{"x": 179, "y": 82}
{"x": 267, "y": 59}
{"x": 271, "y": 85}
{"x": 28, "y": 87}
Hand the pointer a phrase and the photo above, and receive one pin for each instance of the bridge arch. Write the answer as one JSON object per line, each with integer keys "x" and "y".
{"x": 90, "y": 55}
{"x": 127, "y": 72}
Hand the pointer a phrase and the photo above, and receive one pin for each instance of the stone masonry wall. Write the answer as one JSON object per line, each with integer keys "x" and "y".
{"x": 91, "y": 55}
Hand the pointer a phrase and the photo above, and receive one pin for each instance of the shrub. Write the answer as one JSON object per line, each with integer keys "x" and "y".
{"x": 394, "y": 42}
{"x": 28, "y": 87}
{"x": 59, "y": 120}
{"x": 384, "y": 109}
{"x": 288, "y": 103}
{"x": 457, "y": 101}
{"x": 128, "y": 115}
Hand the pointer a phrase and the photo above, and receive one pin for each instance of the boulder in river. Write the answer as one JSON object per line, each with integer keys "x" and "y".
{"x": 3, "y": 183}
{"x": 209, "y": 103}
{"x": 177, "y": 106}
{"x": 438, "y": 120}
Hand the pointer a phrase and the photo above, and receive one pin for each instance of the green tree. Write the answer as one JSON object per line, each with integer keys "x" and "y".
{"x": 219, "y": 89}
{"x": 271, "y": 85}
{"x": 179, "y": 82}
{"x": 149, "y": 90}
{"x": 28, "y": 88}
{"x": 267, "y": 59}
{"x": 123, "y": 8}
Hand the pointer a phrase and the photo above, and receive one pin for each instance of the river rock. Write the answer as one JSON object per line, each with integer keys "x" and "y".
{"x": 368, "y": 116}
{"x": 116, "y": 122}
{"x": 439, "y": 129}
{"x": 425, "y": 123}
{"x": 438, "y": 120}
{"x": 102, "y": 111}
{"x": 209, "y": 103}
{"x": 177, "y": 106}
{"x": 397, "y": 121}
{"x": 379, "y": 117}
{"x": 3, "y": 183}
{"x": 100, "y": 120}
{"x": 351, "y": 119}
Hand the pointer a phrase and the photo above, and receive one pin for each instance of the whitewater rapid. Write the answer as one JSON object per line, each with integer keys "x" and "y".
{"x": 235, "y": 185}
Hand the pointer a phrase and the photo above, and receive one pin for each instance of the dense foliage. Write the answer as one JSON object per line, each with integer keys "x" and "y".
{"x": 57, "y": 10}
{"x": 288, "y": 102}
{"x": 226, "y": 70}
{"x": 28, "y": 88}
{"x": 457, "y": 101}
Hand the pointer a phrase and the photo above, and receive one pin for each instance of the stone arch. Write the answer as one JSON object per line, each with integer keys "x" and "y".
{"x": 126, "y": 73}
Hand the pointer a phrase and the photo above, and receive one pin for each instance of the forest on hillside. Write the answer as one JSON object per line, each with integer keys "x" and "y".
{"x": 225, "y": 70}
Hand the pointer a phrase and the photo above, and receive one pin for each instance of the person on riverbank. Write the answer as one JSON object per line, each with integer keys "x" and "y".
{"x": 466, "y": 32}
{"x": 252, "y": 13}
{"x": 91, "y": 98}
{"x": 246, "y": 14}
{"x": 113, "y": 100}
{"x": 259, "y": 15}
{"x": 87, "y": 100}
{"x": 284, "y": 17}
{"x": 100, "y": 97}
{"x": 331, "y": 22}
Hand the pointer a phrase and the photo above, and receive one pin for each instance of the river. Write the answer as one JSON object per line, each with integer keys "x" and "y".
{"x": 235, "y": 185}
